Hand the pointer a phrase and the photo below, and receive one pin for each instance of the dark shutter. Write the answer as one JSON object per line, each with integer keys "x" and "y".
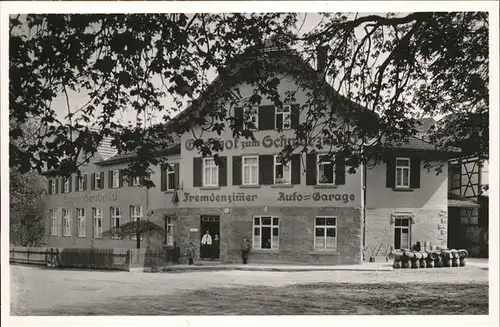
{"x": 415, "y": 167}
{"x": 142, "y": 180}
{"x": 120, "y": 178}
{"x": 390, "y": 172}
{"x": 177, "y": 175}
{"x": 238, "y": 113}
{"x": 163, "y": 178}
{"x": 92, "y": 181}
{"x": 197, "y": 172}
{"x": 101, "y": 181}
{"x": 62, "y": 184}
{"x": 77, "y": 182}
{"x": 266, "y": 118}
{"x": 110, "y": 179}
{"x": 85, "y": 182}
{"x": 130, "y": 179}
{"x": 50, "y": 186}
{"x": 295, "y": 115}
{"x": 266, "y": 169}
{"x": 295, "y": 168}
{"x": 223, "y": 171}
{"x": 311, "y": 169}
{"x": 57, "y": 185}
{"x": 70, "y": 182}
{"x": 339, "y": 170}
{"x": 236, "y": 170}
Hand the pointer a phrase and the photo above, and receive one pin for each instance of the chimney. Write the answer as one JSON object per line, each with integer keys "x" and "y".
{"x": 321, "y": 58}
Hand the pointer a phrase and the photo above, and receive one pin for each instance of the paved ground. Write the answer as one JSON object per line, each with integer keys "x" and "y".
{"x": 40, "y": 291}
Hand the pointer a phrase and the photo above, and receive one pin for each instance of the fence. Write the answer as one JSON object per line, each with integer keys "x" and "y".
{"x": 121, "y": 259}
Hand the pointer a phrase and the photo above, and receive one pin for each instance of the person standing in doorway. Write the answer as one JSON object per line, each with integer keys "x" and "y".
{"x": 206, "y": 244}
{"x": 245, "y": 250}
{"x": 215, "y": 247}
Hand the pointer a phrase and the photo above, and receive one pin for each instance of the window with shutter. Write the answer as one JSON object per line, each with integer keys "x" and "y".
{"x": 197, "y": 172}
{"x": 402, "y": 172}
{"x": 266, "y": 118}
{"x": 282, "y": 172}
{"x": 251, "y": 117}
{"x": 325, "y": 170}
{"x": 250, "y": 170}
{"x": 177, "y": 175}
{"x": 210, "y": 172}
{"x": 170, "y": 178}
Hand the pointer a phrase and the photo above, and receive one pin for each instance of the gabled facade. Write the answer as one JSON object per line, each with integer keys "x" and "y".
{"x": 307, "y": 210}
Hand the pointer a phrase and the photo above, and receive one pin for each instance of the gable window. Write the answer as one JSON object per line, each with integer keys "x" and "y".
{"x": 326, "y": 170}
{"x": 325, "y": 233}
{"x": 116, "y": 216}
{"x": 282, "y": 172}
{"x": 171, "y": 179}
{"x": 97, "y": 181}
{"x": 80, "y": 213}
{"x": 251, "y": 115}
{"x": 53, "y": 187}
{"x": 251, "y": 170}
{"x": 210, "y": 172}
{"x": 81, "y": 181}
{"x": 53, "y": 222}
{"x": 402, "y": 233}
{"x": 265, "y": 232}
{"x": 283, "y": 117}
{"x": 66, "y": 185}
{"x": 116, "y": 179}
{"x": 136, "y": 215}
{"x": 403, "y": 172}
{"x": 97, "y": 215}
{"x": 66, "y": 214}
{"x": 136, "y": 181}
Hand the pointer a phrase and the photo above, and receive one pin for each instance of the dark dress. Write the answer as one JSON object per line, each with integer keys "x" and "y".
{"x": 215, "y": 249}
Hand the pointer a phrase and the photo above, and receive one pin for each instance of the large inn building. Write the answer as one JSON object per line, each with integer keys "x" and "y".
{"x": 307, "y": 211}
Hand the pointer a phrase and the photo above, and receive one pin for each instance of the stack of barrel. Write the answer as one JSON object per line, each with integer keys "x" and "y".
{"x": 433, "y": 259}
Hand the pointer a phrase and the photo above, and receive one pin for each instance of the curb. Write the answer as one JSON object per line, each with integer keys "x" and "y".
{"x": 273, "y": 269}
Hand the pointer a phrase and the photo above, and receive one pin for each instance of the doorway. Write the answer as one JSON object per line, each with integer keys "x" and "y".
{"x": 212, "y": 225}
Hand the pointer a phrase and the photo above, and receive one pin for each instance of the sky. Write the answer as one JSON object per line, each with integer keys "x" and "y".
{"x": 306, "y": 23}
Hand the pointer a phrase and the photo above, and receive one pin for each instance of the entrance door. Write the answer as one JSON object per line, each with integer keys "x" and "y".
{"x": 212, "y": 225}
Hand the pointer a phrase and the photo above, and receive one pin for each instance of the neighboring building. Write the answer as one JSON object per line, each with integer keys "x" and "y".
{"x": 308, "y": 210}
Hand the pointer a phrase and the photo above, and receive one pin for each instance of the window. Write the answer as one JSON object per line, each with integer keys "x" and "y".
{"x": 97, "y": 181}
{"x": 282, "y": 172}
{"x": 66, "y": 214}
{"x": 283, "y": 120}
{"x": 402, "y": 233}
{"x": 170, "y": 231}
{"x": 402, "y": 172}
{"x": 136, "y": 215}
{"x": 66, "y": 185}
{"x": 53, "y": 221}
{"x": 97, "y": 214}
{"x": 326, "y": 170}
{"x": 265, "y": 232}
{"x": 80, "y": 213}
{"x": 115, "y": 222}
{"x": 325, "y": 233}
{"x": 251, "y": 170}
{"x": 81, "y": 180}
{"x": 53, "y": 187}
{"x": 116, "y": 179}
{"x": 252, "y": 115}
{"x": 455, "y": 176}
{"x": 136, "y": 181}
{"x": 171, "y": 179}
{"x": 210, "y": 172}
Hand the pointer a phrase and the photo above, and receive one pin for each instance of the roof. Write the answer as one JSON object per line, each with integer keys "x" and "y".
{"x": 105, "y": 149}
{"x": 416, "y": 143}
{"x": 457, "y": 201}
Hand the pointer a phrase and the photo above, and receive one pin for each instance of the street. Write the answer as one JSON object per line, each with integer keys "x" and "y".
{"x": 40, "y": 291}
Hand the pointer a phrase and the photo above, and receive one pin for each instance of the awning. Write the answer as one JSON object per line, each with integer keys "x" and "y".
{"x": 456, "y": 201}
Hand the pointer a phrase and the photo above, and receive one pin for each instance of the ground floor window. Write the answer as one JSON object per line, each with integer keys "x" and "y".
{"x": 325, "y": 233}
{"x": 265, "y": 232}
{"x": 402, "y": 233}
{"x": 66, "y": 214}
{"x": 136, "y": 215}
{"x": 170, "y": 231}
{"x": 53, "y": 222}
{"x": 97, "y": 214}
{"x": 116, "y": 217}
{"x": 80, "y": 213}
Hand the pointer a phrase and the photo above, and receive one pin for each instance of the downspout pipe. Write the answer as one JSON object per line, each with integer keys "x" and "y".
{"x": 363, "y": 202}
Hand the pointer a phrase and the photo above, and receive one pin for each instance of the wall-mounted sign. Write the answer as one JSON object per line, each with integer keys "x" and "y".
{"x": 316, "y": 196}
{"x": 95, "y": 198}
{"x": 267, "y": 141}
{"x": 193, "y": 229}
{"x": 225, "y": 198}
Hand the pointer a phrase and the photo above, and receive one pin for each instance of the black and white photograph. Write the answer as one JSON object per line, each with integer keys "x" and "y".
{"x": 193, "y": 160}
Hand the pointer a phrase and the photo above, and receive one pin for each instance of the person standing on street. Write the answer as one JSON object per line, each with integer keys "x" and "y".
{"x": 245, "y": 250}
{"x": 190, "y": 253}
{"x": 206, "y": 244}
{"x": 215, "y": 247}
